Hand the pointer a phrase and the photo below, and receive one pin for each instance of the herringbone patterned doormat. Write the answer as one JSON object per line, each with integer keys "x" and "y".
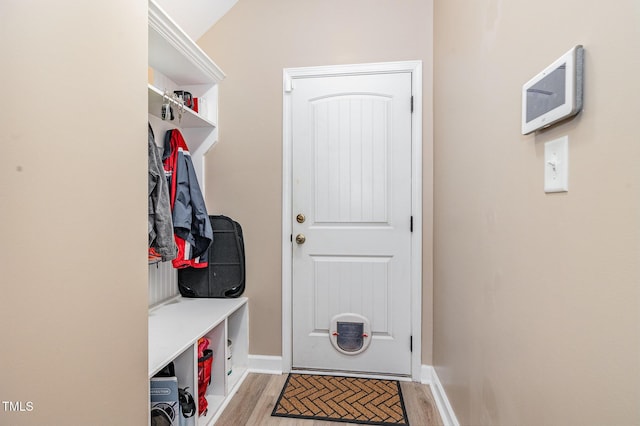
{"x": 342, "y": 399}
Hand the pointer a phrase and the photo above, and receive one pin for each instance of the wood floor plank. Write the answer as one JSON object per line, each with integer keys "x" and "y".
{"x": 244, "y": 401}
{"x": 420, "y": 404}
{"x": 253, "y": 403}
{"x": 262, "y": 411}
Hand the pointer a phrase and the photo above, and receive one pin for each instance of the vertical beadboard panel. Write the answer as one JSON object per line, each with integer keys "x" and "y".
{"x": 352, "y": 284}
{"x": 163, "y": 282}
{"x": 351, "y": 146}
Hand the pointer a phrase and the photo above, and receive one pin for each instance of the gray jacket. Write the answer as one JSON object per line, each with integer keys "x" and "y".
{"x": 160, "y": 222}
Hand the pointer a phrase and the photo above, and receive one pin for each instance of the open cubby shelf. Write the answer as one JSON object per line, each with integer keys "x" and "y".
{"x": 174, "y": 330}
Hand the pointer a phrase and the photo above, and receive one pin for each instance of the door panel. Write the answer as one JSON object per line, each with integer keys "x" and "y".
{"x": 351, "y": 143}
{"x": 352, "y": 182}
{"x": 351, "y": 284}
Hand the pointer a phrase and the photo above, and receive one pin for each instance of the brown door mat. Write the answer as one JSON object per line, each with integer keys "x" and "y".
{"x": 342, "y": 399}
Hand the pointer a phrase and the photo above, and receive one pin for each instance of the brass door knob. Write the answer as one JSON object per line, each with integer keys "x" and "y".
{"x": 300, "y": 218}
{"x": 300, "y": 239}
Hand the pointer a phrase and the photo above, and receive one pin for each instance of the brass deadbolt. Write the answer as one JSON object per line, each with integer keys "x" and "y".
{"x": 300, "y": 218}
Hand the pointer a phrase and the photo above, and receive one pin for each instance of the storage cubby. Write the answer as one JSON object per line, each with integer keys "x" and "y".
{"x": 186, "y": 372}
{"x": 174, "y": 330}
{"x": 216, "y": 391}
{"x": 237, "y": 329}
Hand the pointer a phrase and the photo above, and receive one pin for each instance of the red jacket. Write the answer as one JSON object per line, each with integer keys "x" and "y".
{"x": 191, "y": 225}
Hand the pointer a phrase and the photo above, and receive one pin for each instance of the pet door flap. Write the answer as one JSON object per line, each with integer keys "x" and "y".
{"x": 350, "y": 336}
{"x": 350, "y": 333}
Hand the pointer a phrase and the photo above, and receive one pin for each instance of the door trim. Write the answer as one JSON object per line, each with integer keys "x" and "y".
{"x": 289, "y": 77}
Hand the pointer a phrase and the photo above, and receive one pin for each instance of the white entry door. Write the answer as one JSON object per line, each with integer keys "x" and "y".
{"x": 351, "y": 221}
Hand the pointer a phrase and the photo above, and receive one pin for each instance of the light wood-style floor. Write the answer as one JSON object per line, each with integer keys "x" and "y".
{"x": 257, "y": 395}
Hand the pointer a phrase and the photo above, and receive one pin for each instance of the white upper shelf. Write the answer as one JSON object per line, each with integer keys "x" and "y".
{"x": 190, "y": 118}
{"x": 175, "y": 54}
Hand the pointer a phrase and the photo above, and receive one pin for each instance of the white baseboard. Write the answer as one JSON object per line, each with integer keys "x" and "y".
{"x": 426, "y": 374}
{"x": 265, "y": 364}
{"x": 429, "y": 376}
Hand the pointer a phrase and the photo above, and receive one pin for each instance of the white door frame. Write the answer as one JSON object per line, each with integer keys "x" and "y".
{"x": 289, "y": 77}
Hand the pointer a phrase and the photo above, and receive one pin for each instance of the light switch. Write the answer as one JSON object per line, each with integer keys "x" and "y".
{"x": 556, "y": 165}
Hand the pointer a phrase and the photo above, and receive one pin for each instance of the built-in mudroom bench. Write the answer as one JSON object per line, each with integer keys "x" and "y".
{"x": 174, "y": 330}
{"x": 178, "y": 64}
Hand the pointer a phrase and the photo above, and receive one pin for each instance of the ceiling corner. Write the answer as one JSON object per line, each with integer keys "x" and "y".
{"x": 196, "y": 17}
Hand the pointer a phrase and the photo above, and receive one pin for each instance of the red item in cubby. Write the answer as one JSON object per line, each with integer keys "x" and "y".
{"x": 205, "y": 363}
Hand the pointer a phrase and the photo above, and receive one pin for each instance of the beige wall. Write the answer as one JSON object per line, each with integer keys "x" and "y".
{"x": 252, "y": 44}
{"x": 73, "y": 273}
{"x": 537, "y": 297}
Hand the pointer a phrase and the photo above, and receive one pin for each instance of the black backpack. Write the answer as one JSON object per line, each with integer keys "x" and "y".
{"x": 225, "y": 274}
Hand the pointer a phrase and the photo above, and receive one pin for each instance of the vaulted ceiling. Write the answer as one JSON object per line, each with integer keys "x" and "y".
{"x": 195, "y": 17}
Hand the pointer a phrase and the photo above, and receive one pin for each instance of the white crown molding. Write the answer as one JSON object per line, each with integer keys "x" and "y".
{"x": 168, "y": 42}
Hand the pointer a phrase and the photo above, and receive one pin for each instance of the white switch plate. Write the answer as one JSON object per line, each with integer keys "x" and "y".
{"x": 556, "y": 165}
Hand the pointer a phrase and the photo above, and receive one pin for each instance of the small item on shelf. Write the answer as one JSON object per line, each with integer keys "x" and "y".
{"x": 167, "y": 111}
{"x": 187, "y": 404}
{"x": 164, "y": 401}
{"x": 185, "y": 97}
{"x": 168, "y": 370}
{"x": 178, "y": 100}
{"x": 164, "y": 397}
{"x": 196, "y": 102}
